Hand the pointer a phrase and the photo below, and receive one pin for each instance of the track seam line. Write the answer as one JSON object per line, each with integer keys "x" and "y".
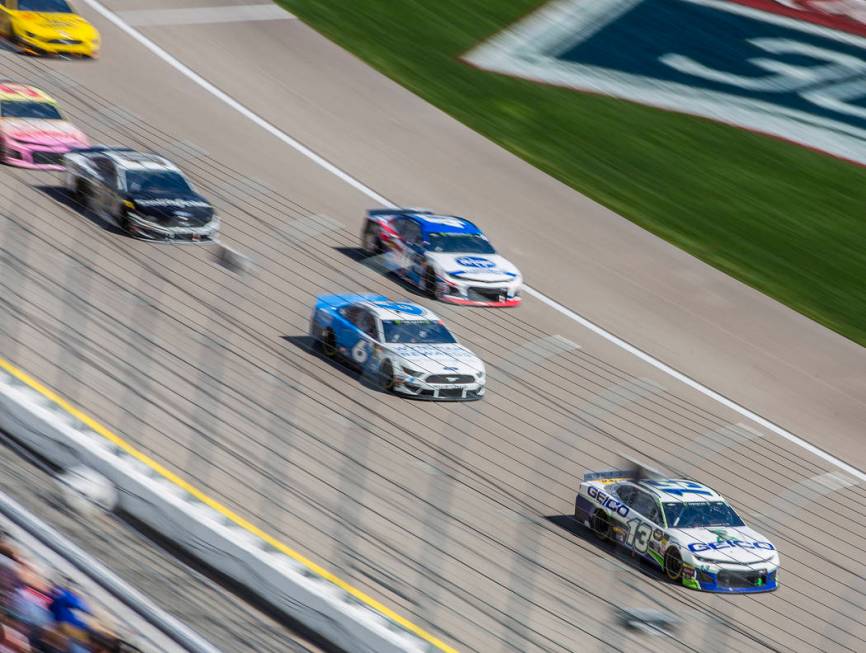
{"x": 381, "y": 199}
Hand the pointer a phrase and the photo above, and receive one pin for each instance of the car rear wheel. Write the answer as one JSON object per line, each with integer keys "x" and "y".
{"x": 430, "y": 283}
{"x": 673, "y": 564}
{"x": 81, "y": 193}
{"x": 13, "y": 39}
{"x": 328, "y": 344}
{"x": 600, "y": 525}
{"x": 371, "y": 241}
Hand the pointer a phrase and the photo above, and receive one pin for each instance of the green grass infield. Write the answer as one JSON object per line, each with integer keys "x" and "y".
{"x": 783, "y": 219}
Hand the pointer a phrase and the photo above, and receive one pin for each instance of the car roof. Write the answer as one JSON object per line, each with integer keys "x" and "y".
{"x": 397, "y": 310}
{"x": 14, "y": 92}
{"x": 679, "y": 490}
{"x": 440, "y": 223}
{"x": 131, "y": 160}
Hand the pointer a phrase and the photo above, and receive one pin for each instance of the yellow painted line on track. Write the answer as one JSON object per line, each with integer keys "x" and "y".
{"x": 223, "y": 510}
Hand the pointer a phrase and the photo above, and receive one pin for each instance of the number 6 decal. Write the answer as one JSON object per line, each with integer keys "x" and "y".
{"x": 359, "y": 352}
{"x": 639, "y": 534}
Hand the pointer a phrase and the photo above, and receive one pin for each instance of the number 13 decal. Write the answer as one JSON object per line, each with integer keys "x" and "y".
{"x": 639, "y": 533}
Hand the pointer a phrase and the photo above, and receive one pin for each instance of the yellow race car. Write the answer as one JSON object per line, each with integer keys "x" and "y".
{"x": 47, "y": 27}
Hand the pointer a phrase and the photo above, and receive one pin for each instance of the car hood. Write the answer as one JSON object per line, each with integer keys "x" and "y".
{"x": 439, "y": 359}
{"x": 55, "y": 24}
{"x": 475, "y": 267}
{"x": 173, "y": 210}
{"x": 43, "y": 132}
{"x": 738, "y": 545}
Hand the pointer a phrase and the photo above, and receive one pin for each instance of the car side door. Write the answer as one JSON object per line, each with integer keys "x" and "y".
{"x": 644, "y": 521}
{"x": 415, "y": 257}
{"x": 349, "y": 331}
{"x": 394, "y": 244}
{"x": 367, "y": 338}
{"x": 99, "y": 191}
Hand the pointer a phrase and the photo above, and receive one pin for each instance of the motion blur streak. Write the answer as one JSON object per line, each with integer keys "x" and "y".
{"x": 213, "y": 503}
{"x": 372, "y": 194}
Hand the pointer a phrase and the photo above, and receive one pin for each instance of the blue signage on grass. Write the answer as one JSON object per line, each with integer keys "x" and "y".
{"x": 747, "y": 66}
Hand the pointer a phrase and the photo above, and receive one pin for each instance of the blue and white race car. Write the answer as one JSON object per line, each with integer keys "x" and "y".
{"x": 445, "y": 256}
{"x": 682, "y": 526}
{"x": 405, "y": 347}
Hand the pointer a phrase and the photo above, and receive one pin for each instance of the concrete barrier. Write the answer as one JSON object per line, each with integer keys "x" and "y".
{"x": 196, "y": 523}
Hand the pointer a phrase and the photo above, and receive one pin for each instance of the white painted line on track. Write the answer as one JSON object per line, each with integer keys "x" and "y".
{"x": 234, "y": 104}
{"x": 204, "y": 15}
{"x": 376, "y": 197}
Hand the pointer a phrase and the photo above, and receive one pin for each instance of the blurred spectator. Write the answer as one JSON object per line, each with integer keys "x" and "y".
{"x": 50, "y": 640}
{"x": 68, "y": 608}
{"x": 12, "y": 640}
{"x": 38, "y": 616}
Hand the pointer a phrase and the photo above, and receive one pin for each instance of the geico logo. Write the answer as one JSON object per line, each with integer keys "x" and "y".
{"x": 697, "y": 547}
{"x": 608, "y": 501}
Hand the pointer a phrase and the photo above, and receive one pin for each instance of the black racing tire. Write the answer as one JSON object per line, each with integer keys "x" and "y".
{"x": 430, "y": 283}
{"x": 13, "y": 39}
{"x": 328, "y": 343}
{"x": 81, "y": 194}
{"x": 386, "y": 376}
{"x": 600, "y": 525}
{"x": 123, "y": 220}
{"x": 370, "y": 242}
{"x": 17, "y": 44}
{"x": 673, "y": 564}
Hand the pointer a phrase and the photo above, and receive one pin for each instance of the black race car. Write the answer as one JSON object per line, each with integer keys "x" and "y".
{"x": 144, "y": 194}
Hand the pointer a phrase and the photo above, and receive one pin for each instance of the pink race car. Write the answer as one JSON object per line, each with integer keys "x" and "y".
{"x": 33, "y": 133}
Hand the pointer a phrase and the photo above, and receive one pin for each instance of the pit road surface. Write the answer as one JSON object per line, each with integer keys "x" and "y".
{"x": 438, "y": 510}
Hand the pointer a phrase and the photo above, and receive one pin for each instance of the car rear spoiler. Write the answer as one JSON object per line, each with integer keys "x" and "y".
{"x": 374, "y": 212}
{"x": 609, "y": 474}
{"x": 631, "y": 470}
{"x": 340, "y": 300}
{"x": 99, "y": 148}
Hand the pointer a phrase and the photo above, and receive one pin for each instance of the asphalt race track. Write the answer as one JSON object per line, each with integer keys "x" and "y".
{"x": 454, "y": 515}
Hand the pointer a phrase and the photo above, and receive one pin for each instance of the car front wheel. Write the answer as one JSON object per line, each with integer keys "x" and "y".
{"x": 430, "y": 283}
{"x": 386, "y": 376}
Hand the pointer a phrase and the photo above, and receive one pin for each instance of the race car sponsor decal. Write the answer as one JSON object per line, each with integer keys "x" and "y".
{"x": 475, "y": 262}
{"x": 794, "y": 69}
{"x": 400, "y": 307}
{"x": 697, "y": 547}
{"x": 422, "y": 350}
{"x": 179, "y": 203}
{"x": 608, "y": 501}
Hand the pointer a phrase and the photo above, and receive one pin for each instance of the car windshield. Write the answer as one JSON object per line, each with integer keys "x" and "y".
{"x": 416, "y": 332}
{"x": 701, "y": 514}
{"x": 51, "y": 6}
{"x": 460, "y": 243}
{"x": 156, "y": 181}
{"x": 26, "y": 109}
